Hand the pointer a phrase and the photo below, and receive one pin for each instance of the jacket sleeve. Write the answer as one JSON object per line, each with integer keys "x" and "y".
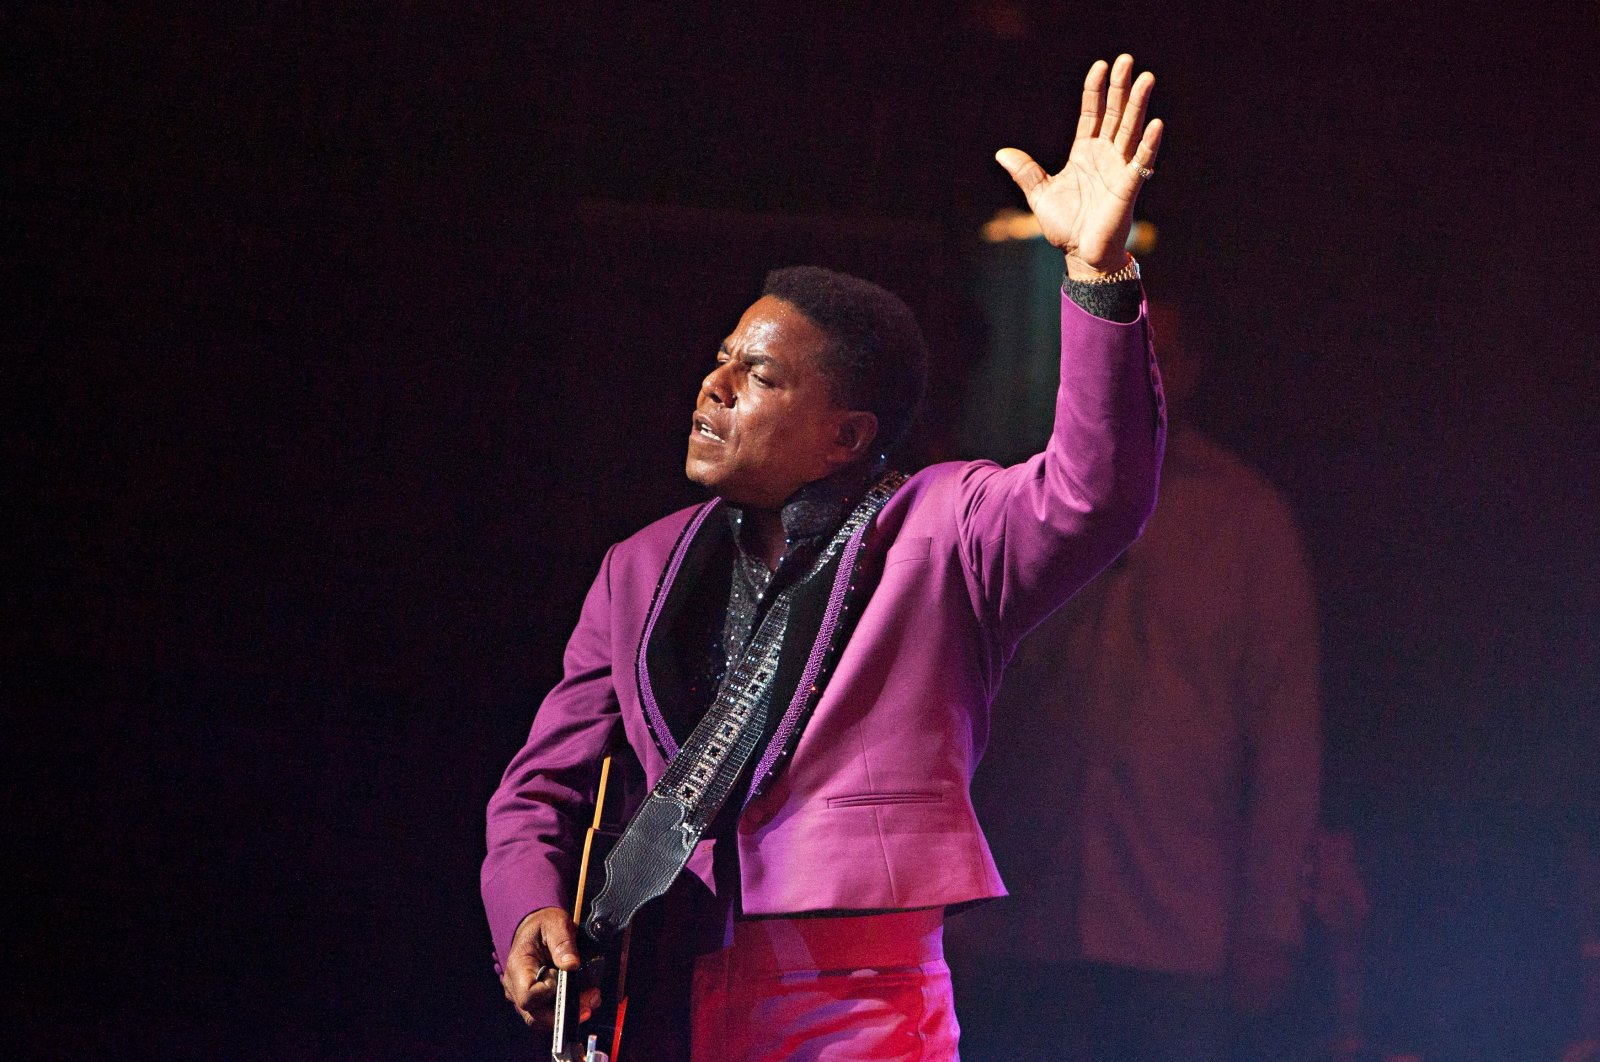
{"x": 1035, "y": 532}
{"x": 538, "y": 813}
{"x": 1283, "y": 731}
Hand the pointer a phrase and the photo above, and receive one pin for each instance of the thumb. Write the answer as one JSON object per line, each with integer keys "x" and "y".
{"x": 559, "y": 943}
{"x": 1027, "y": 173}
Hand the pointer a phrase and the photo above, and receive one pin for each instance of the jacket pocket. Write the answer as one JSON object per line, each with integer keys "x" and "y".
{"x": 904, "y": 796}
{"x": 909, "y": 551}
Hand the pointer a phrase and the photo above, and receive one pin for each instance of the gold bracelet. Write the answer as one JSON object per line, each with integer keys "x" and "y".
{"x": 1130, "y": 271}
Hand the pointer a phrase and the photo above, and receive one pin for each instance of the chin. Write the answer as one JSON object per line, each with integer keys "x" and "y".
{"x": 703, "y": 473}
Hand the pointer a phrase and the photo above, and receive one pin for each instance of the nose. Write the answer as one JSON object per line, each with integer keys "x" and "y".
{"x": 718, "y": 385}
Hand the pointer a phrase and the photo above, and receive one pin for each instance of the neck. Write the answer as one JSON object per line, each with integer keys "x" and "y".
{"x": 814, "y": 509}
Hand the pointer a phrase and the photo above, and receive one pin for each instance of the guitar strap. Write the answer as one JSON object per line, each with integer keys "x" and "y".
{"x": 658, "y": 840}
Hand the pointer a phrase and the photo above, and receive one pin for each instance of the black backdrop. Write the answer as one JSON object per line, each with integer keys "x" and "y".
{"x": 345, "y": 338}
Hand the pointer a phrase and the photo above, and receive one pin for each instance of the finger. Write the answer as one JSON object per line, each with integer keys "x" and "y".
{"x": 538, "y": 1019}
{"x": 541, "y": 994}
{"x": 1094, "y": 100}
{"x": 1149, "y": 145}
{"x": 1133, "y": 116}
{"x": 536, "y": 1008}
{"x": 1117, "y": 96}
{"x": 1027, "y": 173}
{"x": 587, "y": 1003}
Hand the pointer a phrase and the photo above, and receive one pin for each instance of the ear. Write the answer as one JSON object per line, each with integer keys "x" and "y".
{"x": 857, "y": 431}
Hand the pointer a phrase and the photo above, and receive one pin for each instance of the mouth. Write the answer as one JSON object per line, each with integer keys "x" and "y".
{"x": 702, "y": 430}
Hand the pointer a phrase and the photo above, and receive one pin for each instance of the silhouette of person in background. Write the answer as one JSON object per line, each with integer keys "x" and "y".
{"x": 1154, "y": 780}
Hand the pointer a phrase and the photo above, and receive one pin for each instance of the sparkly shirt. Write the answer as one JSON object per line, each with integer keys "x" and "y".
{"x": 810, "y": 517}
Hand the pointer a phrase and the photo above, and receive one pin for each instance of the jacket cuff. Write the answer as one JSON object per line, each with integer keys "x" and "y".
{"x": 510, "y": 897}
{"x": 1117, "y": 302}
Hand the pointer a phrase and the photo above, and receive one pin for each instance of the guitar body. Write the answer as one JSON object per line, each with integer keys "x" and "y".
{"x": 605, "y": 963}
{"x": 604, "y": 971}
{"x": 641, "y": 979}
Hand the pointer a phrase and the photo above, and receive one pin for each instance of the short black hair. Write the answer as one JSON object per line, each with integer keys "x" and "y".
{"x": 876, "y": 358}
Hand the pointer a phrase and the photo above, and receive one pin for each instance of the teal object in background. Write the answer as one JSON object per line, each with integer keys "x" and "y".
{"x": 1011, "y": 397}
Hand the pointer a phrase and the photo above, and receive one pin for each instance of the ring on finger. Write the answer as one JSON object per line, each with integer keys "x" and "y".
{"x": 1145, "y": 173}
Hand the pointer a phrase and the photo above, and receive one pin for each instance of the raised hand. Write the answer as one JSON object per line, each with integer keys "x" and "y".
{"x": 1087, "y": 209}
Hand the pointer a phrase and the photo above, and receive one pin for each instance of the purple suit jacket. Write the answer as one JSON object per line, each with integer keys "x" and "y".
{"x": 872, "y": 810}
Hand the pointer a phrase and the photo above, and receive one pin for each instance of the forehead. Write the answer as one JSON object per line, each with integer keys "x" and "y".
{"x": 777, "y": 328}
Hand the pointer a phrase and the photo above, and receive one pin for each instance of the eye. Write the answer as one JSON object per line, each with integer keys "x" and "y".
{"x": 762, "y": 380}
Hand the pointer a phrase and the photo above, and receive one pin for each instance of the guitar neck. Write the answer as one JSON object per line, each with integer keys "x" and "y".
{"x": 564, "y": 1046}
{"x": 558, "y": 1045}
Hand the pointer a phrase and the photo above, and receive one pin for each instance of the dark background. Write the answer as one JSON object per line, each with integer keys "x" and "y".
{"x": 346, "y": 337}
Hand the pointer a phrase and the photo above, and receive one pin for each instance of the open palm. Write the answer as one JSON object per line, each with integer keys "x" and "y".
{"x": 1087, "y": 209}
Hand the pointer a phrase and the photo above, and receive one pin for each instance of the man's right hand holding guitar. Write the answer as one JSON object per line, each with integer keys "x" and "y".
{"x": 545, "y": 942}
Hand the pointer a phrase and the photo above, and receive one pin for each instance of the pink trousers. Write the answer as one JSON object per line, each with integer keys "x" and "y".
{"x": 827, "y": 990}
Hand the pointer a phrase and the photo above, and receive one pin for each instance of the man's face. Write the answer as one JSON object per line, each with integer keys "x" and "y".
{"x": 765, "y": 423}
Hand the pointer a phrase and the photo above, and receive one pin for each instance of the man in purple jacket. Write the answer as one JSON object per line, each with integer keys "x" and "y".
{"x": 803, "y": 664}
